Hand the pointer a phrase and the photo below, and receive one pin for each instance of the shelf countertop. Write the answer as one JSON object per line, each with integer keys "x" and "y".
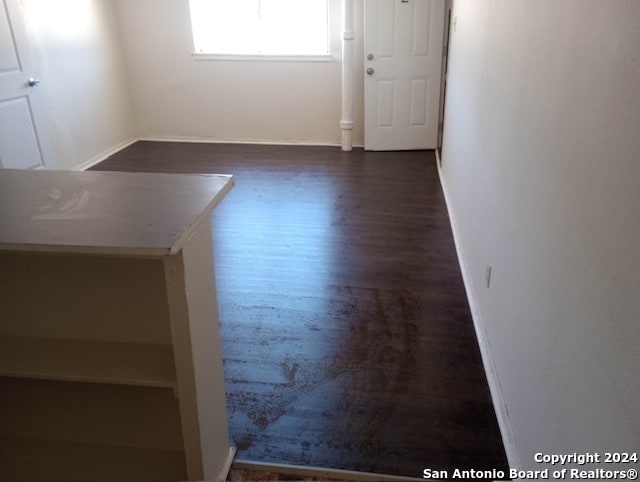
{"x": 143, "y": 214}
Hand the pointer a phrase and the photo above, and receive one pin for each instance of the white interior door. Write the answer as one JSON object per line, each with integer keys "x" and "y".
{"x": 21, "y": 141}
{"x": 403, "y": 63}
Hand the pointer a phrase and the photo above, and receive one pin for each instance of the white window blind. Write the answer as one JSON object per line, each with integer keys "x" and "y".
{"x": 260, "y": 27}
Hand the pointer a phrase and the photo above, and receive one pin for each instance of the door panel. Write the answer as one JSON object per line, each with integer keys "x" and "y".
{"x": 8, "y": 54}
{"x": 420, "y": 34}
{"x": 21, "y": 146}
{"x": 16, "y": 123}
{"x": 403, "y": 45}
{"x": 385, "y": 103}
{"x": 419, "y": 95}
{"x": 386, "y": 28}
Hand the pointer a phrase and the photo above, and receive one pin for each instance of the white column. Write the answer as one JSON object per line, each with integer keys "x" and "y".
{"x": 348, "y": 37}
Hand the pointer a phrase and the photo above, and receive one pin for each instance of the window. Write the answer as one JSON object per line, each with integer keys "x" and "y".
{"x": 260, "y": 27}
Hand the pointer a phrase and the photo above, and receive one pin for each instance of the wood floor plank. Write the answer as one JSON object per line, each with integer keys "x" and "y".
{"x": 347, "y": 338}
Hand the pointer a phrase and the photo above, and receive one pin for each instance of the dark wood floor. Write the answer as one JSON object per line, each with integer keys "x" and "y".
{"x": 347, "y": 338}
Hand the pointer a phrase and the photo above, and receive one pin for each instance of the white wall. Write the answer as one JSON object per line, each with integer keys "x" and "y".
{"x": 175, "y": 96}
{"x": 77, "y": 56}
{"x": 541, "y": 164}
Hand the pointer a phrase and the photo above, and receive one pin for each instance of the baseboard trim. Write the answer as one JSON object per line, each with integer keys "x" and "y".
{"x": 495, "y": 387}
{"x": 104, "y": 155}
{"x": 266, "y": 142}
{"x": 196, "y": 140}
{"x": 226, "y": 467}
{"x": 318, "y": 472}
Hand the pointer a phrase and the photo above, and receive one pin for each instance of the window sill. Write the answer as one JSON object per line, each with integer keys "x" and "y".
{"x": 264, "y": 58}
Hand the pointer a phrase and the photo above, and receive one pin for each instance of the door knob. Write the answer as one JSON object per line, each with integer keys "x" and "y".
{"x": 33, "y": 82}
{"x": 370, "y": 71}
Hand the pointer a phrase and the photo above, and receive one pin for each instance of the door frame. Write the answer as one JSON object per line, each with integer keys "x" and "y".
{"x": 446, "y": 43}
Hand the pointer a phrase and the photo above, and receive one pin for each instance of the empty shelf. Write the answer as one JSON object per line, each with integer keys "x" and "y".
{"x": 139, "y": 364}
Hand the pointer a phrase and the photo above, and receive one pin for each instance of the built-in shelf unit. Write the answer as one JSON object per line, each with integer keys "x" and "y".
{"x": 110, "y": 357}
